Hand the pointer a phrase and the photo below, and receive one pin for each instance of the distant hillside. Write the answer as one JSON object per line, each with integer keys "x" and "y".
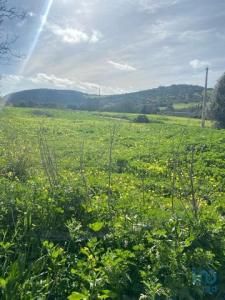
{"x": 162, "y": 99}
{"x": 47, "y": 97}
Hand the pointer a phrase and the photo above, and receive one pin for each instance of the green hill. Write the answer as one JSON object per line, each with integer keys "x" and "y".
{"x": 157, "y": 100}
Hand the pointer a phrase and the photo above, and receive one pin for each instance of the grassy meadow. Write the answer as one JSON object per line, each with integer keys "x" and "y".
{"x": 97, "y": 206}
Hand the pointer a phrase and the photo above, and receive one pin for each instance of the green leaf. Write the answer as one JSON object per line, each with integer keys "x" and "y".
{"x": 97, "y": 226}
{"x": 160, "y": 232}
{"x": 56, "y": 252}
{"x": 189, "y": 241}
{"x": 139, "y": 247}
{"x": 73, "y": 271}
{"x": 59, "y": 210}
{"x": 106, "y": 294}
{"x": 103, "y": 297}
{"x": 2, "y": 283}
{"x": 6, "y": 245}
{"x": 77, "y": 296}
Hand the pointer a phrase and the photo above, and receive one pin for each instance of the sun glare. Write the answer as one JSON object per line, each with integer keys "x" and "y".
{"x": 44, "y": 18}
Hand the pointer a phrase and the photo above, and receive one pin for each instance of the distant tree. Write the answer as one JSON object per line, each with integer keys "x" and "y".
{"x": 149, "y": 108}
{"x": 170, "y": 107}
{"x": 1, "y": 102}
{"x": 217, "y": 109}
{"x": 127, "y": 106}
{"x": 7, "y": 12}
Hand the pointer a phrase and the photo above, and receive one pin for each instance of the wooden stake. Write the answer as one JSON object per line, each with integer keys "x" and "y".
{"x": 204, "y": 99}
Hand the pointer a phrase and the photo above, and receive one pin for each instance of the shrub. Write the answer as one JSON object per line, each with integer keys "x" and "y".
{"x": 142, "y": 119}
{"x": 42, "y": 113}
{"x": 218, "y": 104}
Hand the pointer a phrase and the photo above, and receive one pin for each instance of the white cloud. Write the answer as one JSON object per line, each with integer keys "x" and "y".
{"x": 73, "y": 35}
{"x": 95, "y": 37}
{"x": 18, "y": 82}
{"x": 121, "y": 67}
{"x": 69, "y": 35}
{"x": 31, "y": 14}
{"x": 42, "y": 78}
{"x": 89, "y": 86}
{"x": 15, "y": 78}
{"x": 198, "y": 64}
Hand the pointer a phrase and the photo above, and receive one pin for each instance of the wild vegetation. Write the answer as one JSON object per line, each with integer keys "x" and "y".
{"x": 217, "y": 109}
{"x": 98, "y": 206}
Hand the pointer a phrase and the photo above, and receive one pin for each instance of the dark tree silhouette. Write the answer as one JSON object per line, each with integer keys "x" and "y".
{"x": 141, "y": 119}
{"x": 8, "y": 12}
{"x": 217, "y": 111}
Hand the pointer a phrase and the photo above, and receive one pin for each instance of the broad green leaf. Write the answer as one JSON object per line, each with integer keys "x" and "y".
{"x": 6, "y": 245}
{"x": 106, "y": 294}
{"x": 97, "y": 226}
{"x": 77, "y": 296}
{"x": 56, "y": 252}
{"x": 2, "y": 283}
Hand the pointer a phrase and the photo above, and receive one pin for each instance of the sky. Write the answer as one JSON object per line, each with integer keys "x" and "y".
{"x": 118, "y": 46}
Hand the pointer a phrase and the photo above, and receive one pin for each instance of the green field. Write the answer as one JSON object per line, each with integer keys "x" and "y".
{"x": 96, "y": 206}
{"x": 185, "y": 105}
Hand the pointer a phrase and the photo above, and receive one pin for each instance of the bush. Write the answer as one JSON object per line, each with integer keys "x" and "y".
{"x": 218, "y": 104}
{"x": 142, "y": 119}
{"x": 42, "y": 113}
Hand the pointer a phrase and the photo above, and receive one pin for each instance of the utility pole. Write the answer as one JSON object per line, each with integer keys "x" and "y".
{"x": 204, "y": 99}
{"x": 99, "y": 92}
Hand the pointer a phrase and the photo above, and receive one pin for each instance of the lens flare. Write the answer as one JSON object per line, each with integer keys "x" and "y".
{"x": 44, "y": 19}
